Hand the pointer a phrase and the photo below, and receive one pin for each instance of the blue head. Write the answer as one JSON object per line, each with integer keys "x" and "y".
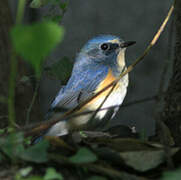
{"x": 107, "y": 50}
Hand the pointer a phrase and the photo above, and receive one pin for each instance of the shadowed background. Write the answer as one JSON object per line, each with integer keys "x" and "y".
{"x": 131, "y": 20}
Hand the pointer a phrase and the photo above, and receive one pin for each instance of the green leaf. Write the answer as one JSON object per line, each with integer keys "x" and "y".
{"x": 36, "y": 153}
{"x": 2, "y": 131}
{"x": 24, "y": 79}
{"x": 54, "y": 18}
{"x": 60, "y": 70}
{"x": 12, "y": 145}
{"x": 25, "y": 171}
{"x": 172, "y": 175}
{"x": 38, "y": 3}
{"x": 84, "y": 155}
{"x": 35, "y": 42}
{"x": 51, "y": 174}
{"x": 63, "y": 6}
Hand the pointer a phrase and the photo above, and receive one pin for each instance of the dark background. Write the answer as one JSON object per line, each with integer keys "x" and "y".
{"x": 131, "y": 20}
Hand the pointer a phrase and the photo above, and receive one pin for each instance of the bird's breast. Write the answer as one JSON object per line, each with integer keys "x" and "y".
{"x": 111, "y": 96}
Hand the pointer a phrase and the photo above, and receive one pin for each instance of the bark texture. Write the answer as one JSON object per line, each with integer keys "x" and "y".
{"x": 172, "y": 111}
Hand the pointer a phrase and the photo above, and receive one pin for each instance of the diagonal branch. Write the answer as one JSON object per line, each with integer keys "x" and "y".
{"x": 46, "y": 125}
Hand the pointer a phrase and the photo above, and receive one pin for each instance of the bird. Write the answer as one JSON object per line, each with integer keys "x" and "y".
{"x": 100, "y": 61}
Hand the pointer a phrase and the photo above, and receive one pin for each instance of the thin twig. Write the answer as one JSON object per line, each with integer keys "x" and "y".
{"x": 100, "y": 106}
{"x": 54, "y": 120}
{"x": 97, "y": 168}
{"x": 32, "y": 103}
{"x": 151, "y": 98}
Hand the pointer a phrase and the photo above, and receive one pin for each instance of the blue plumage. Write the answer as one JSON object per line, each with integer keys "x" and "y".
{"x": 99, "y": 62}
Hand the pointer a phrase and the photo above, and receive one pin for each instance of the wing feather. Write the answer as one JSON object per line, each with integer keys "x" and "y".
{"x": 79, "y": 88}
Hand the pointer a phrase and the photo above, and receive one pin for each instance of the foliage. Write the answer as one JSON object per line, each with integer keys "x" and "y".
{"x": 93, "y": 158}
{"x": 13, "y": 147}
{"x": 52, "y": 174}
{"x": 58, "y": 8}
{"x": 35, "y": 42}
{"x": 172, "y": 175}
{"x": 101, "y": 155}
{"x": 83, "y": 155}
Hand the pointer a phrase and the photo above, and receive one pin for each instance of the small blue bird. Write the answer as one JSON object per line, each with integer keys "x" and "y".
{"x": 99, "y": 62}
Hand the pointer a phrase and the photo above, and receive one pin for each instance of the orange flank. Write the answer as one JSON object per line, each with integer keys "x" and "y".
{"x": 109, "y": 78}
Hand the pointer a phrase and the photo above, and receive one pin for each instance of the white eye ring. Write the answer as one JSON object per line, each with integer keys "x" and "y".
{"x": 104, "y": 46}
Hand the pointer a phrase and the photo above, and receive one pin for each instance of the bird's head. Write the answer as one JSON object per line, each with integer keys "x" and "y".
{"x": 106, "y": 49}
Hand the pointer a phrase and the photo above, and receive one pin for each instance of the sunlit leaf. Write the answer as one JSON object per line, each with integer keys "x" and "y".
{"x": 35, "y": 42}
{"x": 84, "y": 155}
{"x": 25, "y": 171}
{"x": 51, "y": 174}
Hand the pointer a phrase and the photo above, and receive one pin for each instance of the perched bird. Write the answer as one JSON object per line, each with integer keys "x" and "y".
{"x": 99, "y": 62}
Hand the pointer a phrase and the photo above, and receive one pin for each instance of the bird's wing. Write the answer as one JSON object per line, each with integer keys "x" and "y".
{"x": 79, "y": 88}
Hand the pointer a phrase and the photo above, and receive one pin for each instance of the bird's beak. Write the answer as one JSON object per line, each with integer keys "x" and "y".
{"x": 126, "y": 44}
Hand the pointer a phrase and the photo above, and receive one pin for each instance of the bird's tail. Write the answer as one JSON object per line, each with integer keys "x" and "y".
{"x": 59, "y": 129}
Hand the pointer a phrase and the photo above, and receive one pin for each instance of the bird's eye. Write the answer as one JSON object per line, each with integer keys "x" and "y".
{"x": 104, "y": 46}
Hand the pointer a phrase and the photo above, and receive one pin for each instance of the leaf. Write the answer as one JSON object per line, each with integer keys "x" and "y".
{"x": 56, "y": 18}
{"x": 172, "y": 175}
{"x": 36, "y": 153}
{"x": 140, "y": 160}
{"x": 145, "y": 160}
{"x": 63, "y": 6}
{"x": 38, "y": 3}
{"x": 51, "y": 174}
{"x": 2, "y": 131}
{"x": 25, "y": 171}
{"x": 12, "y": 144}
{"x": 60, "y": 70}
{"x": 83, "y": 155}
{"x": 141, "y": 156}
{"x": 24, "y": 79}
{"x": 35, "y": 42}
